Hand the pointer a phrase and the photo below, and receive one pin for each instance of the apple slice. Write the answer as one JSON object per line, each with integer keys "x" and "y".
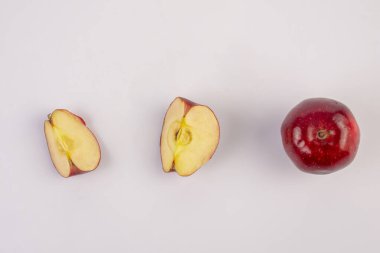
{"x": 72, "y": 146}
{"x": 189, "y": 138}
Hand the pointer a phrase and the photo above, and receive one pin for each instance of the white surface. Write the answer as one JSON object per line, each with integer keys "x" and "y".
{"x": 120, "y": 63}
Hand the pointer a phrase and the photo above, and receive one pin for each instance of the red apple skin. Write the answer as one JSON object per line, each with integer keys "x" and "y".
{"x": 80, "y": 118}
{"x": 320, "y": 135}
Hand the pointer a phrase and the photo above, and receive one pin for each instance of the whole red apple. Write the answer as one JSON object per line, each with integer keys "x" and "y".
{"x": 320, "y": 135}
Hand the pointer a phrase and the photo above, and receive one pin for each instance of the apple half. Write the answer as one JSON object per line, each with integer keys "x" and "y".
{"x": 189, "y": 138}
{"x": 73, "y": 147}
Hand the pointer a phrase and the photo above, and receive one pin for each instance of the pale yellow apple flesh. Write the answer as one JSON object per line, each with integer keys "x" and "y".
{"x": 189, "y": 138}
{"x": 72, "y": 146}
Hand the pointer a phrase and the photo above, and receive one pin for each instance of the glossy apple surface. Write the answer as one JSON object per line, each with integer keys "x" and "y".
{"x": 320, "y": 135}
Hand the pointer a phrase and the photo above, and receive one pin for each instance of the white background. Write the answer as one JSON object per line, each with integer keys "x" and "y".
{"x": 119, "y": 64}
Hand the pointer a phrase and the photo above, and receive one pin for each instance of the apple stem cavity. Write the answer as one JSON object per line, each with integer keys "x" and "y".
{"x": 322, "y": 134}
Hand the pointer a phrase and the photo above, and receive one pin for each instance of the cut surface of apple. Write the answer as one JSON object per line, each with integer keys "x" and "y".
{"x": 189, "y": 138}
{"x": 73, "y": 147}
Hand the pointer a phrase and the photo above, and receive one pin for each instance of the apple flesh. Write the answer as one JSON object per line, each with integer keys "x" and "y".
{"x": 73, "y": 147}
{"x": 320, "y": 135}
{"x": 189, "y": 138}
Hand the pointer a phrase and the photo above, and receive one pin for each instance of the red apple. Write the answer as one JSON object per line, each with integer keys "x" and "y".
{"x": 320, "y": 135}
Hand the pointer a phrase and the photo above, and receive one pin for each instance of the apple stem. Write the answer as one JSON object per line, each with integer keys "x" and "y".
{"x": 322, "y": 134}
